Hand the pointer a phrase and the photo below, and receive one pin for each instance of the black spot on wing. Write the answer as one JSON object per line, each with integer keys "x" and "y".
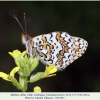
{"x": 51, "y": 61}
{"x": 39, "y": 42}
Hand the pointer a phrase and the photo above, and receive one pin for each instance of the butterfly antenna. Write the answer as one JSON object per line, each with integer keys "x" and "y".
{"x": 25, "y": 23}
{"x": 19, "y": 23}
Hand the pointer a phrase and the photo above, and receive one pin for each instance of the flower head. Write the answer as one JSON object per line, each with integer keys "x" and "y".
{"x": 25, "y": 63}
{"x": 37, "y": 89}
{"x": 16, "y": 53}
{"x": 12, "y": 73}
{"x": 10, "y": 77}
{"x": 50, "y": 70}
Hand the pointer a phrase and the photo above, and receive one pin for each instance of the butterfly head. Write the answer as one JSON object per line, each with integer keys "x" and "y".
{"x": 25, "y": 38}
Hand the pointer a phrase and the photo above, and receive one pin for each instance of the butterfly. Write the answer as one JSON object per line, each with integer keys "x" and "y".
{"x": 57, "y": 48}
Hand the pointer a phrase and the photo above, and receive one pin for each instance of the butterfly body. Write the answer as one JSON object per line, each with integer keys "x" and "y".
{"x": 58, "y": 48}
